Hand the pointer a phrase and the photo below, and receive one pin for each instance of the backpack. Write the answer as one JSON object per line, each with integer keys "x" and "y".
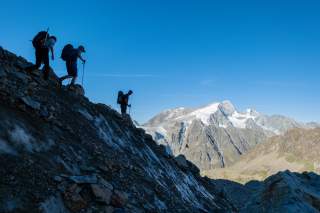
{"x": 119, "y": 99}
{"x": 38, "y": 40}
{"x": 67, "y": 52}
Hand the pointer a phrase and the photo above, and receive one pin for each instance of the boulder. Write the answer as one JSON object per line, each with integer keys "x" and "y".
{"x": 119, "y": 199}
{"x": 77, "y": 89}
{"x": 101, "y": 193}
{"x": 73, "y": 199}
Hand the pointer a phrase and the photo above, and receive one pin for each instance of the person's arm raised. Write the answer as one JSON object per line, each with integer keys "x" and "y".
{"x": 83, "y": 60}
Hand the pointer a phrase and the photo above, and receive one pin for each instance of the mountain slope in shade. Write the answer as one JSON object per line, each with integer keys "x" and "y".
{"x": 297, "y": 150}
{"x": 216, "y": 135}
{"x": 61, "y": 153}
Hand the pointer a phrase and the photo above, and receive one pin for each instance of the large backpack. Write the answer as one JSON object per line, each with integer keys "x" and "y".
{"x": 119, "y": 99}
{"x": 39, "y": 39}
{"x": 67, "y": 52}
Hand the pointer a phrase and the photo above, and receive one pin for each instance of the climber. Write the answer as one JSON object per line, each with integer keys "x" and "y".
{"x": 70, "y": 55}
{"x": 42, "y": 43}
{"x": 123, "y": 100}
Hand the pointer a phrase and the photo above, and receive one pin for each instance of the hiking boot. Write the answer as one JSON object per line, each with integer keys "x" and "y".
{"x": 60, "y": 82}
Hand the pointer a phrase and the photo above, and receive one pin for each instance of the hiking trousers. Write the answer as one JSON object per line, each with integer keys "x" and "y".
{"x": 123, "y": 109}
{"x": 42, "y": 56}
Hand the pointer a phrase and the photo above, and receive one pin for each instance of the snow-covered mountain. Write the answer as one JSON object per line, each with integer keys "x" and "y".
{"x": 217, "y": 134}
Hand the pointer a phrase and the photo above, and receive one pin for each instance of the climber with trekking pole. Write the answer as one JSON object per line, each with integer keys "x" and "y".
{"x": 43, "y": 43}
{"x": 123, "y": 100}
{"x": 83, "y": 65}
{"x": 70, "y": 55}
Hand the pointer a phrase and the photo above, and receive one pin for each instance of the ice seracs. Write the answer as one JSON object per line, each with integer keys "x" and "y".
{"x": 239, "y": 120}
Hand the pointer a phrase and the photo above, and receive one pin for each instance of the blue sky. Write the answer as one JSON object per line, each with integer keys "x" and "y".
{"x": 259, "y": 54}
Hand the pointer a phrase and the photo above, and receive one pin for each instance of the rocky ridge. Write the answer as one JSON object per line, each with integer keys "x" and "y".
{"x": 61, "y": 153}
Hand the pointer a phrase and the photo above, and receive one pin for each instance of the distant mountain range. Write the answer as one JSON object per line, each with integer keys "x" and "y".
{"x": 297, "y": 150}
{"x": 216, "y": 135}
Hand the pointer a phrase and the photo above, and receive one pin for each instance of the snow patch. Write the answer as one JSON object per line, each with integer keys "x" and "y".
{"x": 239, "y": 120}
{"x": 223, "y": 126}
{"x": 159, "y": 204}
{"x": 105, "y": 132}
{"x": 86, "y": 114}
{"x": 204, "y": 113}
{"x": 44, "y": 146}
{"x": 20, "y": 137}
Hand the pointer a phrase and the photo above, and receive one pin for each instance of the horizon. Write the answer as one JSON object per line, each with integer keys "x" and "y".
{"x": 260, "y": 55}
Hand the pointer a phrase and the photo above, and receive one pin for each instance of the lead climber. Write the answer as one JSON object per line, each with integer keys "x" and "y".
{"x": 123, "y": 100}
{"x": 43, "y": 43}
{"x": 70, "y": 55}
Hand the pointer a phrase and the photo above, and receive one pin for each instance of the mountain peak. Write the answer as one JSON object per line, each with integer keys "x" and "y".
{"x": 227, "y": 107}
{"x": 252, "y": 112}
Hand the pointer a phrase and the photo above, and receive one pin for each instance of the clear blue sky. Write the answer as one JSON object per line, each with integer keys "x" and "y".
{"x": 259, "y": 54}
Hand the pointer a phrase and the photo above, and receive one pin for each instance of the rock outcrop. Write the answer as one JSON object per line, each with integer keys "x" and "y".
{"x": 286, "y": 192}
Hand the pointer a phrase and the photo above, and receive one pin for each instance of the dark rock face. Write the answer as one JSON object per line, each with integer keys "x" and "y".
{"x": 286, "y": 192}
{"x": 61, "y": 153}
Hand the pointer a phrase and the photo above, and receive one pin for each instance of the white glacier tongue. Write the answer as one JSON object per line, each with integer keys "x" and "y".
{"x": 204, "y": 113}
{"x": 239, "y": 120}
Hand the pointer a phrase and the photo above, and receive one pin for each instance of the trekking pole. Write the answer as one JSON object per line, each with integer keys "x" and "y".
{"x": 83, "y": 64}
{"x": 130, "y": 106}
{"x": 45, "y": 39}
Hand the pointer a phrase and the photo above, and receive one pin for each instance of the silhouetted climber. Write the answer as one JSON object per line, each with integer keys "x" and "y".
{"x": 70, "y": 55}
{"x": 123, "y": 100}
{"x": 42, "y": 43}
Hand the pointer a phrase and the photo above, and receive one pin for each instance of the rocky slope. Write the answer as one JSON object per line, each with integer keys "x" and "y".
{"x": 285, "y": 192}
{"x": 297, "y": 150}
{"x": 61, "y": 153}
{"x": 215, "y": 136}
